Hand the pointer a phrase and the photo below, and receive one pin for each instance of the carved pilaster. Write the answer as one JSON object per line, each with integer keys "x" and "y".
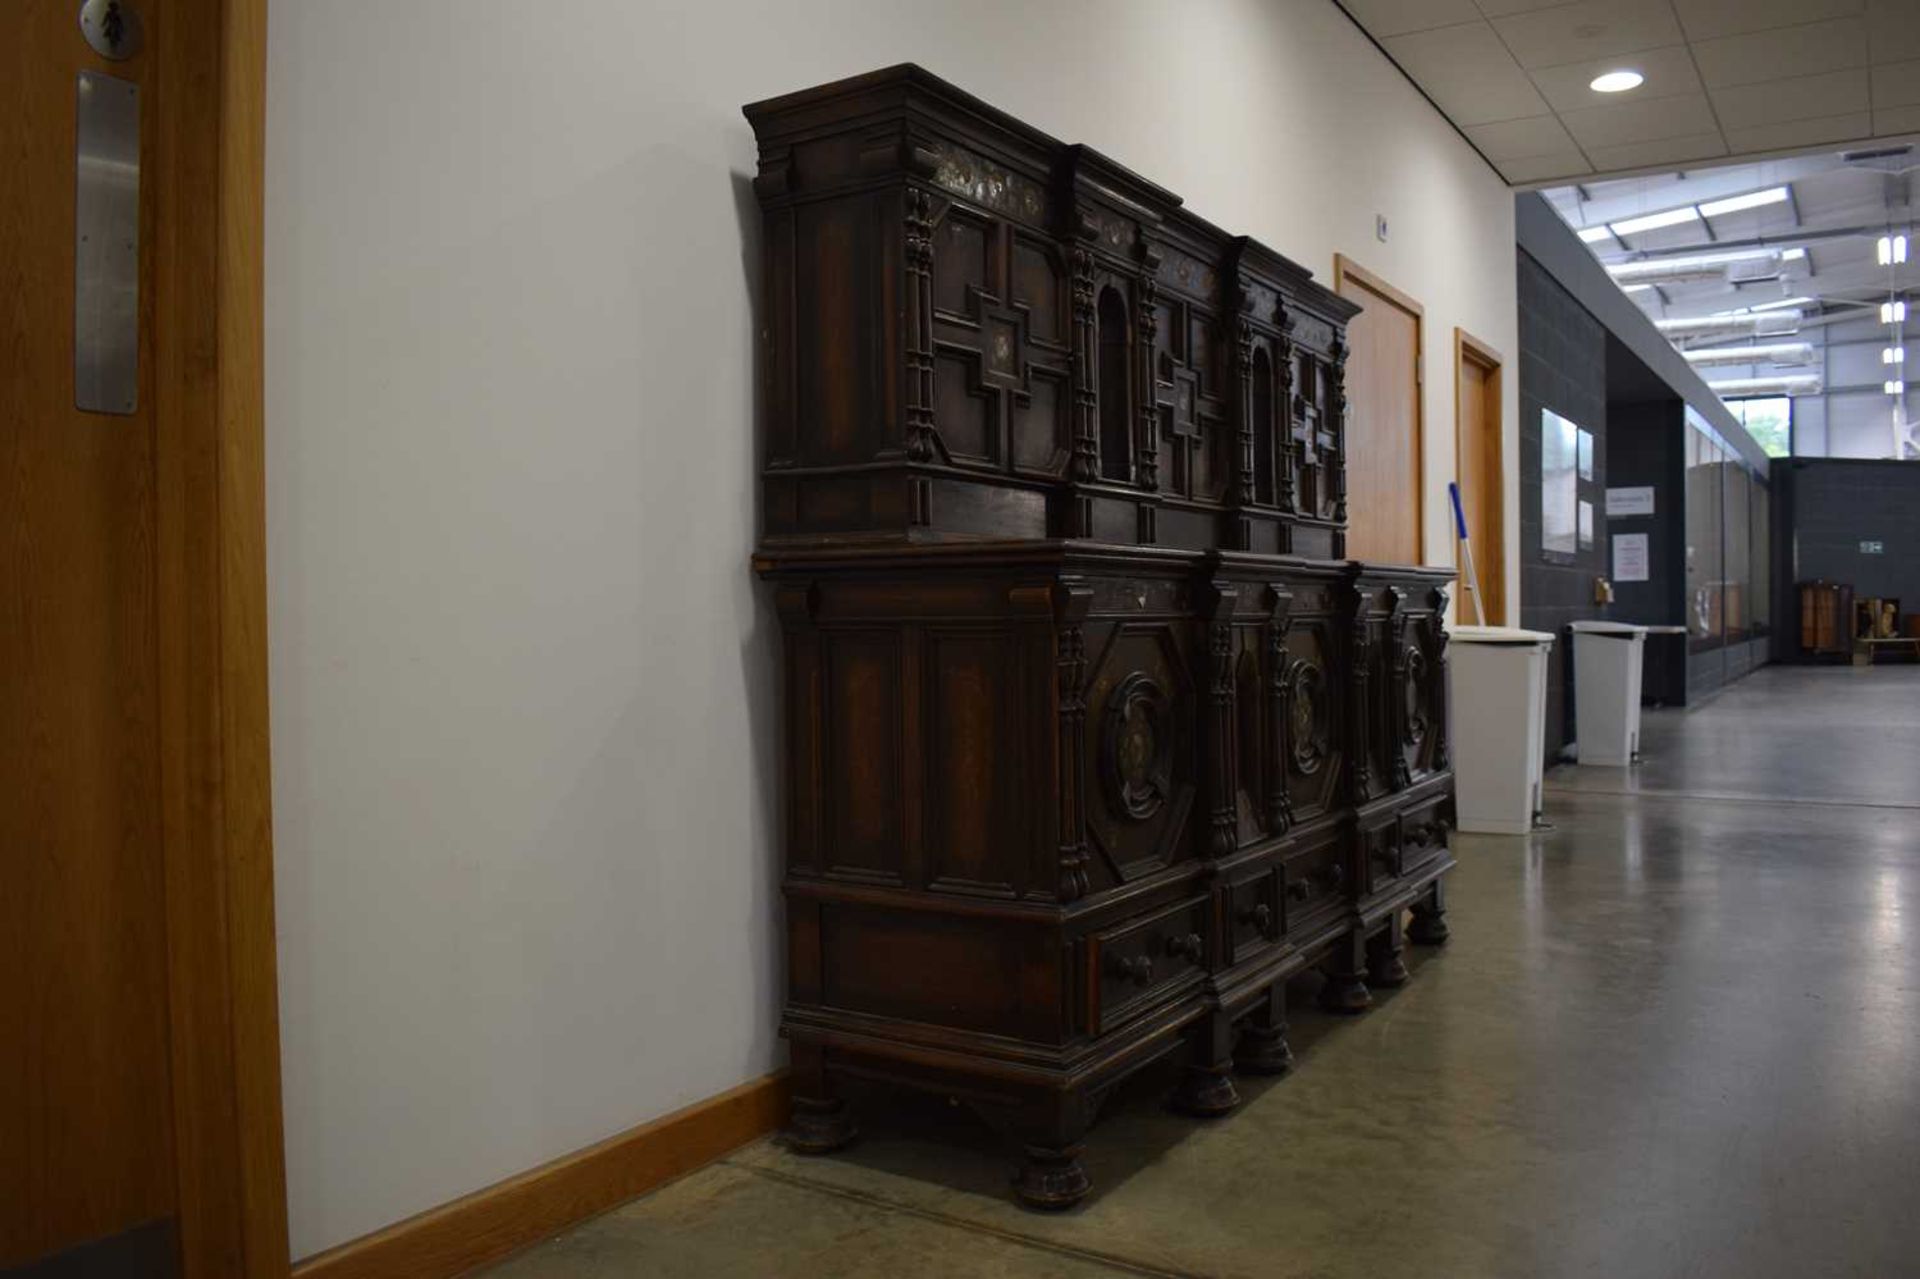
{"x": 1360, "y": 710}
{"x": 1243, "y": 414}
{"x": 919, "y": 336}
{"x": 1222, "y": 740}
{"x": 1147, "y": 326}
{"x": 1404, "y": 686}
{"x": 1279, "y": 714}
{"x": 1437, "y": 661}
{"x": 1284, "y": 490}
{"x": 1336, "y": 466}
{"x": 1085, "y": 466}
{"x": 1070, "y": 611}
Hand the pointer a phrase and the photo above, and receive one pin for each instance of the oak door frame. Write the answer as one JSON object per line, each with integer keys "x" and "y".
{"x": 216, "y": 829}
{"x": 1487, "y": 356}
{"x": 1344, "y": 269}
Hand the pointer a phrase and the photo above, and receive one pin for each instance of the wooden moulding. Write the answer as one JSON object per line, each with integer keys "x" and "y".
{"x": 509, "y": 1215}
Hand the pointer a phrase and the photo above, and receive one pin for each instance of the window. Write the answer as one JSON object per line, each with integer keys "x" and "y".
{"x": 1769, "y": 421}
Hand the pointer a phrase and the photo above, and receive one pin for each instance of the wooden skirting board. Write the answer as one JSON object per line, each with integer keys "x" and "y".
{"x": 507, "y": 1216}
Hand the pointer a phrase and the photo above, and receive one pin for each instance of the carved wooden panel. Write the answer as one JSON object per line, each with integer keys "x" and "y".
{"x": 1001, "y": 353}
{"x": 1141, "y": 724}
{"x": 975, "y": 830}
{"x": 863, "y": 740}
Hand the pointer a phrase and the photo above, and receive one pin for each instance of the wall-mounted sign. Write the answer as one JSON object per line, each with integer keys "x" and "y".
{"x": 1630, "y": 557}
{"x": 1559, "y": 485}
{"x": 1630, "y": 501}
{"x": 1586, "y": 524}
{"x": 1586, "y": 455}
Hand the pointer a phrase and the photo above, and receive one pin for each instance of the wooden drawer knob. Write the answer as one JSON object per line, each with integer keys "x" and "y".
{"x": 1260, "y": 916}
{"x": 1190, "y": 946}
{"x": 1138, "y": 970}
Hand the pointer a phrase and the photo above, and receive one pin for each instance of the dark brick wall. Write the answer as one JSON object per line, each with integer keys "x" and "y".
{"x": 1832, "y": 505}
{"x": 1563, "y": 367}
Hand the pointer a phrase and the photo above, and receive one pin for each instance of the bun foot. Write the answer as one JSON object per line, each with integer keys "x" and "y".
{"x": 1387, "y": 970}
{"x": 1429, "y": 928}
{"x": 1263, "y": 1050}
{"x": 1345, "y": 993}
{"x": 819, "y": 1127}
{"x": 1051, "y": 1180}
{"x": 1204, "y": 1093}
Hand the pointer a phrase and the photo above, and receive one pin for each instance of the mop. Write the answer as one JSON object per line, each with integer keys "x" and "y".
{"x": 1473, "y": 578}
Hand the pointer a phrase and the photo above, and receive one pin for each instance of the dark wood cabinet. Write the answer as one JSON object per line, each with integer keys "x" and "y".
{"x": 1093, "y": 738}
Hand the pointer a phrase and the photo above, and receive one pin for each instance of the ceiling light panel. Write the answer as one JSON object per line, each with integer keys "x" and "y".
{"x": 1595, "y": 234}
{"x": 1654, "y": 221}
{"x": 1751, "y": 200}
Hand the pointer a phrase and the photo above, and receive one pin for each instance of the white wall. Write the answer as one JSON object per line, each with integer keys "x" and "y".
{"x": 523, "y": 682}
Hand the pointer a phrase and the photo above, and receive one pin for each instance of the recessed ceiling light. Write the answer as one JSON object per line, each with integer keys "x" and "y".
{"x": 1617, "y": 82}
{"x": 1595, "y": 234}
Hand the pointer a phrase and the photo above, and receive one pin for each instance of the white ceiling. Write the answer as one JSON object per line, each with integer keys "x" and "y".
{"x": 1724, "y": 78}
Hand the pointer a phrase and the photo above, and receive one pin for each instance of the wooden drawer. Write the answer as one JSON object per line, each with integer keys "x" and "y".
{"x": 1254, "y": 914}
{"x": 1134, "y": 963}
{"x": 1314, "y": 883}
{"x": 1380, "y": 862}
{"x": 1423, "y": 833}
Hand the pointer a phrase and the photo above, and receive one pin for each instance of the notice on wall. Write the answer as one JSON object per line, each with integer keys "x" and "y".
{"x": 1630, "y": 556}
{"x": 1586, "y": 524}
{"x": 1630, "y": 501}
{"x": 1586, "y": 455}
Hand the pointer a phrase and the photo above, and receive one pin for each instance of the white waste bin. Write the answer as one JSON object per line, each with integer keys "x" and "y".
{"x": 1497, "y": 693}
{"x": 1607, "y": 662}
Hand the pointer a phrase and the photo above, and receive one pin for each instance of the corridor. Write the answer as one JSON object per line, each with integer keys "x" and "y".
{"x": 1677, "y": 1035}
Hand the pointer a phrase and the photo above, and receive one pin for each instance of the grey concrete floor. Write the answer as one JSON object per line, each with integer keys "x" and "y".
{"x": 1679, "y": 1035}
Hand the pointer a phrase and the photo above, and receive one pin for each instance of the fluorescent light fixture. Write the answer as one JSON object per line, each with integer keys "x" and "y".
{"x": 1894, "y": 355}
{"x": 1595, "y": 234}
{"x": 1751, "y": 200}
{"x": 1654, "y": 221}
{"x": 1635, "y": 288}
{"x": 1896, "y": 388}
{"x": 1782, "y": 303}
{"x": 1617, "y": 81}
{"x": 1893, "y": 313}
{"x": 1793, "y": 255}
{"x": 1892, "y": 250}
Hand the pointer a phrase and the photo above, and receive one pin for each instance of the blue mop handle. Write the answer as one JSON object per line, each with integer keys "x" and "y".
{"x": 1459, "y": 516}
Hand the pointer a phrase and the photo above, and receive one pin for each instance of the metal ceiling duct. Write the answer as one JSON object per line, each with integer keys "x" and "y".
{"x": 1786, "y": 384}
{"x": 1752, "y": 324}
{"x": 1736, "y": 267}
{"x": 1764, "y": 353}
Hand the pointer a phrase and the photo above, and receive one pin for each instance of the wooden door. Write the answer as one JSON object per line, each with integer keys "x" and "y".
{"x": 1477, "y": 442}
{"x": 1385, "y": 467}
{"x": 139, "y": 1110}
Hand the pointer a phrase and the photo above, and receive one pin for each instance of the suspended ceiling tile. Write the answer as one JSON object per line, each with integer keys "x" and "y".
{"x": 1710, "y": 19}
{"x": 1897, "y": 84}
{"x": 1633, "y": 155}
{"x": 1398, "y": 17}
{"x": 1805, "y": 50}
{"x": 1669, "y": 73}
{"x": 1468, "y": 72}
{"x": 1812, "y": 97}
{"x": 1539, "y": 168}
{"x": 1647, "y": 120}
{"x": 1514, "y": 139}
{"x": 1891, "y": 120}
{"x": 1895, "y": 28}
{"x": 1802, "y": 133}
{"x": 1586, "y": 30}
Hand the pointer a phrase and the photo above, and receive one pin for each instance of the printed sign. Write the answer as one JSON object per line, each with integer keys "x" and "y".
{"x": 1630, "y": 556}
{"x": 1630, "y": 501}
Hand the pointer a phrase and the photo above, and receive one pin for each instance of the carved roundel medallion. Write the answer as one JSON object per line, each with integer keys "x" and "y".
{"x": 1310, "y": 715}
{"x": 1136, "y": 747}
{"x": 1416, "y": 695}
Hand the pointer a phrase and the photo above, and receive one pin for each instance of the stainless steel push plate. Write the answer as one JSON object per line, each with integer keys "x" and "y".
{"x": 106, "y": 246}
